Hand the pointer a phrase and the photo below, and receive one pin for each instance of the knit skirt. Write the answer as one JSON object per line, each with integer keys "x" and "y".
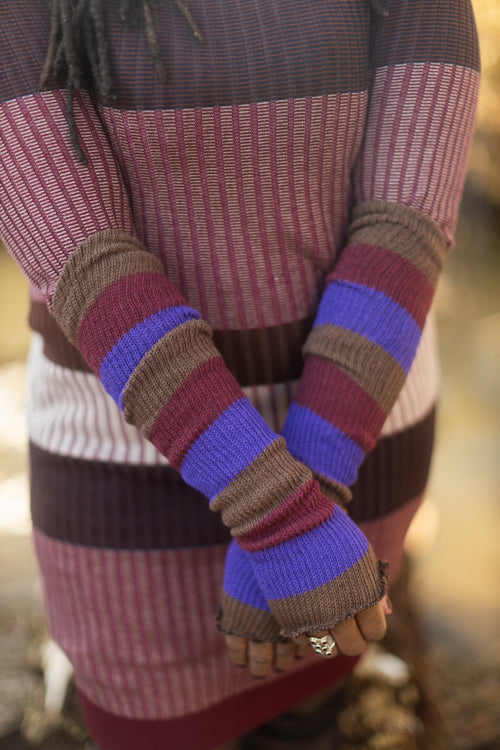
{"x": 132, "y": 559}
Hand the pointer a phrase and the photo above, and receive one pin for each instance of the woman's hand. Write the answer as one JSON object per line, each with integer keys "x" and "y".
{"x": 351, "y": 638}
{"x": 264, "y": 658}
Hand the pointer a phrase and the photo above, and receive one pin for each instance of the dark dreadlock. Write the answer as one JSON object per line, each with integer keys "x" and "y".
{"x": 78, "y": 38}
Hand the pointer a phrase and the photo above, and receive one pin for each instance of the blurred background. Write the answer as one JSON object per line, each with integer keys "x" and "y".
{"x": 453, "y": 549}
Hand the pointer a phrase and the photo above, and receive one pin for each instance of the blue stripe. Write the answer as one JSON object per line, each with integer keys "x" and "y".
{"x": 321, "y": 445}
{"x": 305, "y": 562}
{"x": 119, "y": 364}
{"x": 372, "y": 314}
{"x": 240, "y": 581}
{"x": 226, "y": 448}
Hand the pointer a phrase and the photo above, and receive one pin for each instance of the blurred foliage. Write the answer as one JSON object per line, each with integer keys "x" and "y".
{"x": 484, "y": 168}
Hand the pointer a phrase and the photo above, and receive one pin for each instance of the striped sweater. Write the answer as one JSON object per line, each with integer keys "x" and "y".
{"x": 303, "y": 168}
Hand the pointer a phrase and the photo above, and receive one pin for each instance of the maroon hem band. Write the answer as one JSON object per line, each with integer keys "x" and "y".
{"x": 211, "y": 727}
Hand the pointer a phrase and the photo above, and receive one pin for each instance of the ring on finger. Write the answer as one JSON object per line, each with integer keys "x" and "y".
{"x": 323, "y": 645}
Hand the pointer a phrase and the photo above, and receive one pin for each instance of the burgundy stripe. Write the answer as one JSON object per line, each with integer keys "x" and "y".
{"x": 57, "y": 348}
{"x": 350, "y": 409}
{"x": 118, "y": 306}
{"x": 396, "y": 471}
{"x": 260, "y": 356}
{"x": 135, "y": 507}
{"x": 225, "y": 721}
{"x": 289, "y": 515}
{"x": 201, "y": 398}
{"x": 386, "y": 535}
{"x": 388, "y": 272}
{"x": 116, "y": 506}
{"x": 256, "y": 356}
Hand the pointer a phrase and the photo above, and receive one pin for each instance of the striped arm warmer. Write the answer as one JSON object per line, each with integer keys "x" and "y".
{"x": 364, "y": 339}
{"x": 407, "y": 182}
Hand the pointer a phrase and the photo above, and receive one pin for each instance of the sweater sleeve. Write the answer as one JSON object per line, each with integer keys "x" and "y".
{"x": 407, "y": 185}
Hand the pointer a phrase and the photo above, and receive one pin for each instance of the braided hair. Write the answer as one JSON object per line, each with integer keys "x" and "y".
{"x": 78, "y": 49}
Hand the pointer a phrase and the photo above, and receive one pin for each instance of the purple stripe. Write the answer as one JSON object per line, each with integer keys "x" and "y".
{"x": 239, "y": 580}
{"x": 226, "y": 448}
{"x": 338, "y": 544}
{"x": 321, "y": 445}
{"x": 120, "y": 363}
{"x": 371, "y": 314}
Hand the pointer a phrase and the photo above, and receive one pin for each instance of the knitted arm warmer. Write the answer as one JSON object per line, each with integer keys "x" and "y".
{"x": 155, "y": 357}
{"x": 407, "y": 186}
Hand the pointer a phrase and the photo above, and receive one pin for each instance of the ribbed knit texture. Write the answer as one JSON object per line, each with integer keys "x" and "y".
{"x": 306, "y": 152}
{"x": 156, "y": 359}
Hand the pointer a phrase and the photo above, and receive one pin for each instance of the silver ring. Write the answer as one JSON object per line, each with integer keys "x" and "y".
{"x": 323, "y": 645}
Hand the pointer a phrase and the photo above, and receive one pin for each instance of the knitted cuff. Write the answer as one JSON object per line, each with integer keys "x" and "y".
{"x": 243, "y": 609}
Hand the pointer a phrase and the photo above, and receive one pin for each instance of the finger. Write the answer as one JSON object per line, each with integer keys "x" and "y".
{"x": 237, "y": 649}
{"x": 371, "y": 622}
{"x": 302, "y": 646}
{"x": 387, "y": 605}
{"x": 284, "y": 654}
{"x": 260, "y": 658}
{"x": 330, "y": 643}
{"x": 349, "y": 638}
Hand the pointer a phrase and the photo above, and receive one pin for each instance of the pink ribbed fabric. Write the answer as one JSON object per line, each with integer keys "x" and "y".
{"x": 426, "y": 138}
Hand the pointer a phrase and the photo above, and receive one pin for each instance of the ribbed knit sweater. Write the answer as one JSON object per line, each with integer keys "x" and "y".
{"x": 301, "y": 171}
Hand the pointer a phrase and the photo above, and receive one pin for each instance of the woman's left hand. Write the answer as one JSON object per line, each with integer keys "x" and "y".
{"x": 264, "y": 658}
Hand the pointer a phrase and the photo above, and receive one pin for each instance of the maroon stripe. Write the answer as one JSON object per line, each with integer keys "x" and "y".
{"x": 396, "y": 471}
{"x": 57, "y": 348}
{"x": 213, "y": 726}
{"x": 202, "y": 397}
{"x": 304, "y": 510}
{"x": 260, "y": 356}
{"x": 350, "y": 409}
{"x": 256, "y": 356}
{"x": 100, "y": 504}
{"x": 388, "y": 272}
{"x": 117, "y": 305}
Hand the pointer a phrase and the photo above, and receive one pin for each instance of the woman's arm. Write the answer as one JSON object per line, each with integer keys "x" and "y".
{"x": 407, "y": 185}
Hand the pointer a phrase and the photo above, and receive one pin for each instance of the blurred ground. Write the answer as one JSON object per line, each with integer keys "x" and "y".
{"x": 449, "y": 632}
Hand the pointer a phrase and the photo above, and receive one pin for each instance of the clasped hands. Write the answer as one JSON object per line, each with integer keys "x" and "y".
{"x": 351, "y": 638}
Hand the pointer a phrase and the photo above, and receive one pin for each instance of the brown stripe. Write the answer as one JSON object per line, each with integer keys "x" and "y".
{"x": 368, "y": 364}
{"x": 339, "y": 493}
{"x": 396, "y": 471}
{"x": 255, "y": 357}
{"x": 92, "y": 266}
{"x": 254, "y": 493}
{"x": 403, "y": 230}
{"x": 163, "y": 370}
{"x": 237, "y": 618}
{"x": 358, "y": 588}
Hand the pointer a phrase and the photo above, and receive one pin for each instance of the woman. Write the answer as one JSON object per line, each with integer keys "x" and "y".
{"x": 200, "y": 193}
